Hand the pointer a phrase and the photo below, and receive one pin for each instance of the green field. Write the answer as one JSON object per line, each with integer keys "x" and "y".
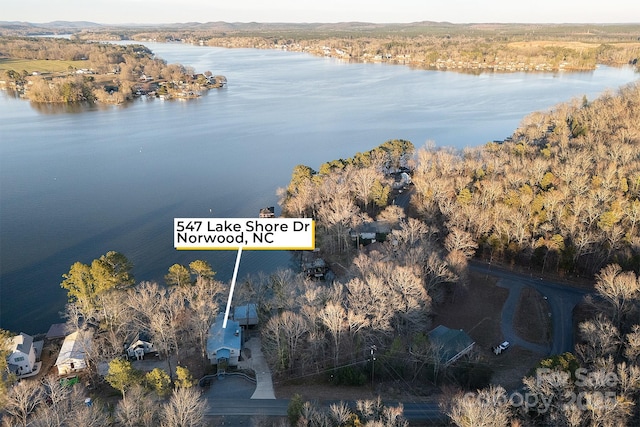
{"x": 40, "y": 65}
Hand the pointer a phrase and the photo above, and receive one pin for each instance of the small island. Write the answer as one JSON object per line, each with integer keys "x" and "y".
{"x": 57, "y": 70}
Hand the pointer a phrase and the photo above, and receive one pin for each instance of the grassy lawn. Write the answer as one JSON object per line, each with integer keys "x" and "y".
{"x": 40, "y": 65}
{"x": 532, "y": 321}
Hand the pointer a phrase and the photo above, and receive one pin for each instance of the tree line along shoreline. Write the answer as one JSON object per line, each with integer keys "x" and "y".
{"x": 469, "y": 48}
{"x": 561, "y": 195}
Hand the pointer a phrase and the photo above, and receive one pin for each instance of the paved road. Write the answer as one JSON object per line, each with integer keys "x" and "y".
{"x": 562, "y": 300}
{"x": 252, "y": 407}
{"x": 403, "y": 199}
{"x": 413, "y": 412}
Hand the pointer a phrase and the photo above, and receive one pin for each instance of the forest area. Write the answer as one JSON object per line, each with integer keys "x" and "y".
{"x": 560, "y": 196}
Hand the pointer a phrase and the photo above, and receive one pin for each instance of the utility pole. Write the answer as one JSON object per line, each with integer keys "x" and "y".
{"x": 373, "y": 363}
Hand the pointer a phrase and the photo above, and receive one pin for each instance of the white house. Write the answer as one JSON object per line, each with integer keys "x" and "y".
{"x": 368, "y": 232}
{"x": 139, "y": 348}
{"x": 224, "y": 344}
{"x": 22, "y": 357}
{"x": 73, "y": 354}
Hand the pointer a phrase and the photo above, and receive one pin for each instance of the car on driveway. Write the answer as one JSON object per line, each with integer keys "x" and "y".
{"x": 500, "y": 348}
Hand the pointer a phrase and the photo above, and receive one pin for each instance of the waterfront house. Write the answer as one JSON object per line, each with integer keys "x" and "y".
{"x": 73, "y": 353}
{"x": 246, "y": 315}
{"x": 22, "y": 355}
{"x": 268, "y": 212}
{"x": 315, "y": 269}
{"x": 139, "y": 347}
{"x": 224, "y": 344}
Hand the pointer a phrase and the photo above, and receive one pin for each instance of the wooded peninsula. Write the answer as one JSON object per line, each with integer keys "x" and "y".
{"x": 54, "y": 70}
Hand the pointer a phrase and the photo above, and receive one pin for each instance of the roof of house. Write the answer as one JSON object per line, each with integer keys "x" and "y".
{"x": 245, "y": 311}
{"x": 453, "y": 341}
{"x": 22, "y": 343}
{"x": 138, "y": 336}
{"x": 221, "y": 338}
{"x": 381, "y": 227}
{"x": 56, "y": 330}
{"x": 139, "y": 343}
{"x": 73, "y": 347}
{"x": 267, "y": 212}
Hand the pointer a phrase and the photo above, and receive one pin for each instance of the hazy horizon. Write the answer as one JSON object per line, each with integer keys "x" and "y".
{"x": 155, "y": 12}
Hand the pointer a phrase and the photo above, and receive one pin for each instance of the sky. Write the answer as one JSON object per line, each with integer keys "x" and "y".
{"x": 329, "y": 11}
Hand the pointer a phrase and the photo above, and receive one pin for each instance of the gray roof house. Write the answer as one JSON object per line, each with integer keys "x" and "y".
{"x": 246, "y": 315}
{"x": 224, "y": 344}
{"x": 454, "y": 343}
{"x": 22, "y": 355}
{"x": 139, "y": 348}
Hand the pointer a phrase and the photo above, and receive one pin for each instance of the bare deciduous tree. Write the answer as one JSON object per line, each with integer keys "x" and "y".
{"x": 632, "y": 345}
{"x": 621, "y": 289}
{"x": 159, "y": 311}
{"x": 487, "y": 408}
{"x": 459, "y": 240}
{"x": 184, "y": 409}
{"x": 333, "y": 316}
{"x": 22, "y": 401}
{"x": 202, "y": 300}
{"x": 600, "y": 338}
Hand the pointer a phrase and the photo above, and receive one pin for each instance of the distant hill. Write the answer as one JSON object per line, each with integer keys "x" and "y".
{"x": 55, "y": 27}
{"x": 71, "y": 24}
{"x": 339, "y": 29}
{"x": 52, "y": 24}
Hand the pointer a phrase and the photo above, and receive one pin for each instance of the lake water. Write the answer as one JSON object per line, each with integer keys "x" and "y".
{"x": 78, "y": 182}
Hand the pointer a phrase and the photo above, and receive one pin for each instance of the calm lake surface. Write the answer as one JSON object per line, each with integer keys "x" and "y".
{"x": 76, "y": 182}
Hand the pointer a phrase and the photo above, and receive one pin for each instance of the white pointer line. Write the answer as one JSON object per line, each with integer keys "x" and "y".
{"x": 233, "y": 285}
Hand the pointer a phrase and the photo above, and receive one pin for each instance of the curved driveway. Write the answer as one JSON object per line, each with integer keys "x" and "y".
{"x": 257, "y": 362}
{"x": 562, "y": 300}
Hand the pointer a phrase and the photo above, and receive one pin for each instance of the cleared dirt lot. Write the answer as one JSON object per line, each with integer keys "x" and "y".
{"x": 532, "y": 321}
{"x": 478, "y": 311}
